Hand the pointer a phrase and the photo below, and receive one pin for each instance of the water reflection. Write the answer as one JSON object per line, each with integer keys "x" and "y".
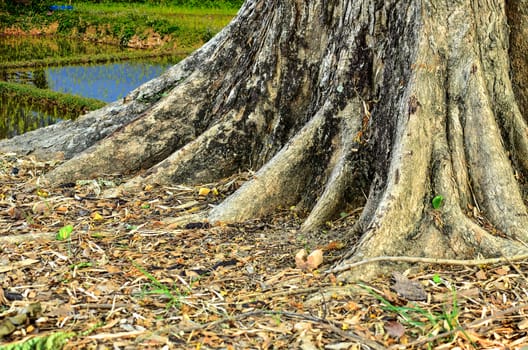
{"x": 105, "y": 82}
{"x": 36, "y": 77}
{"x": 16, "y": 48}
{"x": 18, "y": 116}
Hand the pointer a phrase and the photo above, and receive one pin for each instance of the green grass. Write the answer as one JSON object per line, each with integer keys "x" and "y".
{"x": 68, "y": 103}
{"x": 173, "y": 294}
{"x": 182, "y": 27}
{"x": 52, "y": 341}
{"x": 27, "y": 108}
{"x": 188, "y": 27}
{"x": 425, "y": 321}
{"x": 86, "y": 59}
{"x": 150, "y": 9}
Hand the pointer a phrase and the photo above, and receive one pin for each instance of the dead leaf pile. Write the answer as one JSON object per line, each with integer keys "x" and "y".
{"x": 129, "y": 277}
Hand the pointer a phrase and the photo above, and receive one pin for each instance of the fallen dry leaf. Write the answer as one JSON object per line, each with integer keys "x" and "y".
{"x": 204, "y": 191}
{"x": 481, "y": 275}
{"x": 523, "y": 324}
{"x": 3, "y": 300}
{"x": 18, "y": 265}
{"x": 394, "y": 329}
{"x": 503, "y": 270}
{"x": 408, "y": 289}
{"x": 40, "y": 208}
{"x": 313, "y": 261}
{"x": 299, "y": 259}
{"x": 205, "y": 272}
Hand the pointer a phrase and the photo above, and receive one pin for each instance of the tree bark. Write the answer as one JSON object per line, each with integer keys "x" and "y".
{"x": 382, "y": 105}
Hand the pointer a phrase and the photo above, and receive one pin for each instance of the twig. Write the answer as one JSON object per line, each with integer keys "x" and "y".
{"x": 516, "y": 268}
{"x": 461, "y": 328}
{"x": 284, "y": 293}
{"x": 101, "y": 306}
{"x": 417, "y": 259}
{"x": 14, "y": 239}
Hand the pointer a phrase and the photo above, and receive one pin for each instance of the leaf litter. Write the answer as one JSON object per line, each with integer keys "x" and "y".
{"x": 119, "y": 273}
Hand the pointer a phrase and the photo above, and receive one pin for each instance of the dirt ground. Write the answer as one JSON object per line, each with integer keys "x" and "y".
{"x": 119, "y": 273}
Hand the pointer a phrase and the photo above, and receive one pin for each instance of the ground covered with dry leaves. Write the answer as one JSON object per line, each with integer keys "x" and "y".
{"x": 84, "y": 272}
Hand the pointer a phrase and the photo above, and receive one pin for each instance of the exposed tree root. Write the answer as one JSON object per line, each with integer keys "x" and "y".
{"x": 517, "y": 12}
{"x": 327, "y": 101}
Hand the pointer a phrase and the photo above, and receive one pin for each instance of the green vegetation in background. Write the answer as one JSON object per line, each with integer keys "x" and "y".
{"x": 25, "y": 6}
{"x": 23, "y": 48}
{"x": 35, "y": 108}
{"x": 28, "y": 6}
{"x": 84, "y": 59}
{"x": 188, "y": 27}
{"x": 184, "y": 27}
{"x": 197, "y": 4}
{"x": 66, "y": 102}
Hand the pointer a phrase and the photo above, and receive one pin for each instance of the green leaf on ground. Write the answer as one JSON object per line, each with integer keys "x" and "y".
{"x": 64, "y": 233}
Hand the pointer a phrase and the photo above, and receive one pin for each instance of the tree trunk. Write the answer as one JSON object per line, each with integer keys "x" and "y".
{"x": 378, "y": 104}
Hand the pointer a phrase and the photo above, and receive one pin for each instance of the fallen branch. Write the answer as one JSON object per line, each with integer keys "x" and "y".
{"x": 48, "y": 236}
{"x": 423, "y": 260}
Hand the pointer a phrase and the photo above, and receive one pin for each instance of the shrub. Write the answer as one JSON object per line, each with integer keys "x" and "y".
{"x": 25, "y": 6}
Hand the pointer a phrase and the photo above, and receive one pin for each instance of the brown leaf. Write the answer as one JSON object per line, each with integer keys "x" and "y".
{"x": 481, "y": 275}
{"x": 502, "y": 270}
{"x": 299, "y": 259}
{"x": 3, "y": 300}
{"x": 61, "y": 209}
{"x": 408, "y": 289}
{"x": 15, "y": 213}
{"x": 334, "y": 245}
{"x": 40, "y": 208}
{"x": 314, "y": 259}
{"x": 394, "y": 329}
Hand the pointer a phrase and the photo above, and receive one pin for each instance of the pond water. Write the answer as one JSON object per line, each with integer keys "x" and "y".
{"x": 106, "y": 82}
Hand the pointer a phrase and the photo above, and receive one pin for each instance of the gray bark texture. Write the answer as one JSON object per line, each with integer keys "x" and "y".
{"x": 378, "y": 104}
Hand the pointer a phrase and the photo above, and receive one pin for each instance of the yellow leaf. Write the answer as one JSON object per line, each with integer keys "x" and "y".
{"x": 42, "y": 193}
{"x": 215, "y": 191}
{"x": 148, "y": 188}
{"x": 193, "y": 210}
{"x": 97, "y": 217}
{"x": 204, "y": 191}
